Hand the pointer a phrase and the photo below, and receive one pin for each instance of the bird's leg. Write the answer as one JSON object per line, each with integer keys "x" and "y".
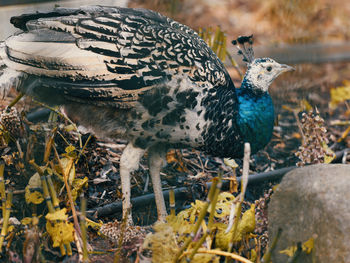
{"x": 156, "y": 156}
{"x": 129, "y": 162}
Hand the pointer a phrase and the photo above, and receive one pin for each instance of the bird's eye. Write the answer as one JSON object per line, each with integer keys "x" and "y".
{"x": 269, "y": 68}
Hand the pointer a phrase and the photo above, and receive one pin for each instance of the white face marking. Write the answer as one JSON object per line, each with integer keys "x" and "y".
{"x": 262, "y": 71}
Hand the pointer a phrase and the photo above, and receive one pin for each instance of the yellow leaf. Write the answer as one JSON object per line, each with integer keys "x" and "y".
{"x": 10, "y": 228}
{"x": 65, "y": 163}
{"x": 289, "y": 251}
{"x": 57, "y": 215}
{"x": 223, "y": 205}
{"x": 344, "y": 135}
{"x": 35, "y": 220}
{"x": 92, "y": 224}
{"x": 70, "y": 152}
{"x": 340, "y": 94}
{"x": 305, "y": 105}
{"x": 330, "y": 155}
{"x": 61, "y": 232}
{"x": 78, "y": 185}
{"x": 247, "y": 224}
{"x": 33, "y": 197}
{"x": 328, "y": 159}
{"x": 253, "y": 255}
{"x": 70, "y": 128}
{"x": 308, "y": 245}
{"x": 274, "y": 188}
{"x": 162, "y": 243}
{"x": 222, "y": 239}
{"x": 225, "y": 197}
{"x": 231, "y": 163}
{"x": 180, "y": 224}
{"x": 26, "y": 221}
{"x": 69, "y": 149}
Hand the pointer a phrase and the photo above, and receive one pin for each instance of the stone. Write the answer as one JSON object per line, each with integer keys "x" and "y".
{"x": 313, "y": 202}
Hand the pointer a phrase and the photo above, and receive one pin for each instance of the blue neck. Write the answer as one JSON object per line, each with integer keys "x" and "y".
{"x": 235, "y": 116}
{"x": 255, "y": 116}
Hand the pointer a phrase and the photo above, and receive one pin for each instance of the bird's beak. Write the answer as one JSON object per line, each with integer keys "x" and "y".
{"x": 285, "y": 68}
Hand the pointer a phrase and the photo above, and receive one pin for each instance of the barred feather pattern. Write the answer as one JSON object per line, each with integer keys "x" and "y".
{"x": 123, "y": 52}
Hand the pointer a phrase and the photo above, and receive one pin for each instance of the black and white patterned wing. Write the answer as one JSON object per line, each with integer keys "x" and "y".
{"x": 108, "y": 54}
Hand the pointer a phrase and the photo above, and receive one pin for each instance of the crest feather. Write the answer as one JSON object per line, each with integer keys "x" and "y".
{"x": 244, "y": 44}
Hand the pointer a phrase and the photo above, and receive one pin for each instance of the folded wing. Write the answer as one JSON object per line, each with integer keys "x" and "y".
{"x": 107, "y": 54}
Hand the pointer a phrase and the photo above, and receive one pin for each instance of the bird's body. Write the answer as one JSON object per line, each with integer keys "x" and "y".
{"x": 138, "y": 75}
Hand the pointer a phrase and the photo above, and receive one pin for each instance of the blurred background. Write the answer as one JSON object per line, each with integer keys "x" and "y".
{"x": 273, "y": 22}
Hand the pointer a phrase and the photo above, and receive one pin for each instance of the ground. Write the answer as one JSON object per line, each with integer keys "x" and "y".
{"x": 292, "y": 93}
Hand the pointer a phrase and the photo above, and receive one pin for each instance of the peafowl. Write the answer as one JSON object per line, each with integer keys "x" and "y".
{"x": 138, "y": 75}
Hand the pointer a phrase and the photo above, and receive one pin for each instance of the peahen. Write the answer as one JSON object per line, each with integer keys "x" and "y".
{"x": 136, "y": 74}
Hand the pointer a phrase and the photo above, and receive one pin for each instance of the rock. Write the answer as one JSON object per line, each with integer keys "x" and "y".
{"x": 313, "y": 202}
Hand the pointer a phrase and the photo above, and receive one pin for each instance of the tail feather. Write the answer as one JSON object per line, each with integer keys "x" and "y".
{"x": 2, "y": 63}
{"x": 9, "y": 78}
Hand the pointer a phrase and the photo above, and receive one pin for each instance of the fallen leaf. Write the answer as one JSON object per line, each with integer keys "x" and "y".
{"x": 61, "y": 232}
{"x": 340, "y": 94}
{"x": 65, "y": 162}
{"x": 33, "y": 197}
{"x": 307, "y": 247}
{"x": 57, "y": 215}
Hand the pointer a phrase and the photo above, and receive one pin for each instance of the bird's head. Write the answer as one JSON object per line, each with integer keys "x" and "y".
{"x": 262, "y": 71}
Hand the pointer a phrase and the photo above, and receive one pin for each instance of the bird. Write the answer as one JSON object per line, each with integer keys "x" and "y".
{"x": 138, "y": 75}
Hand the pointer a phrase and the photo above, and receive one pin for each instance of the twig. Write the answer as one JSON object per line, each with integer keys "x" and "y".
{"x": 66, "y": 173}
{"x": 49, "y": 143}
{"x": 82, "y": 149}
{"x": 19, "y": 148}
{"x": 222, "y": 253}
{"x": 83, "y": 228}
{"x": 172, "y": 202}
{"x": 13, "y": 103}
{"x": 6, "y": 217}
